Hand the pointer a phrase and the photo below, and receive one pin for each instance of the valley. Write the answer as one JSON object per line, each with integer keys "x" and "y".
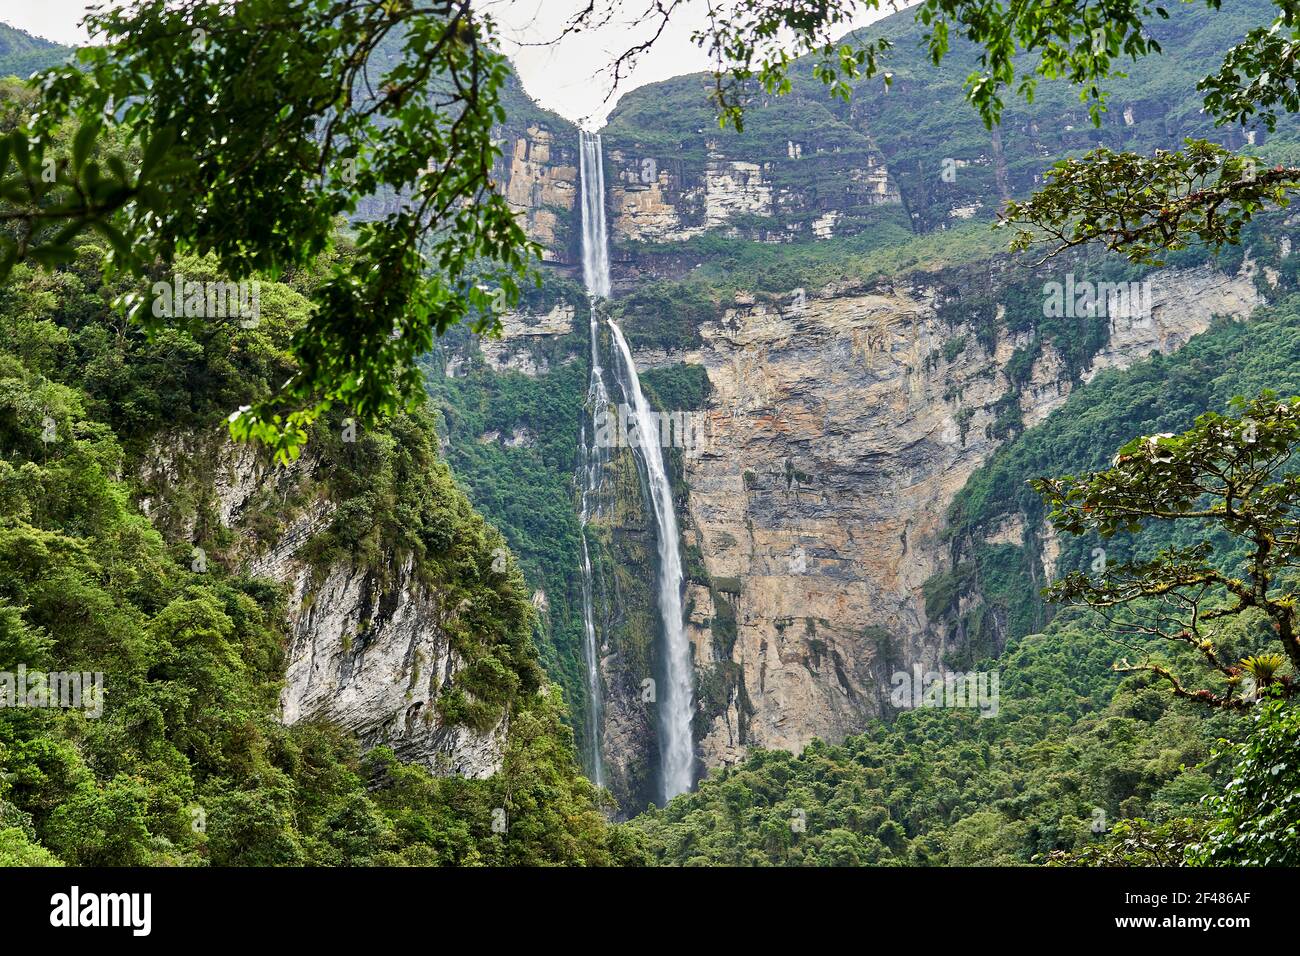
{"x": 438, "y": 488}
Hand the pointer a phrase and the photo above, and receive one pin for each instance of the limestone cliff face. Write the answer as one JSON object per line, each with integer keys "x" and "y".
{"x": 370, "y": 657}
{"x": 661, "y": 199}
{"x": 366, "y": 647}
{"x": 511, "y": 351}
{"x": 539, "y": 178}
{"x": 537, "y": 173}
{"x": 799, "y": 172}
{"x": 839, "y": 432}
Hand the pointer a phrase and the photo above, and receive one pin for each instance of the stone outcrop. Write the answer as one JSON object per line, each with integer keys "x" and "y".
{"x": 838, "y": 434}
{"x": 540, "y": 181}
{"x": 370, "y": 657}
{"x": 512, "y": 350}
{"x": 659, "y": 198}
{"x": 366, "y": 650}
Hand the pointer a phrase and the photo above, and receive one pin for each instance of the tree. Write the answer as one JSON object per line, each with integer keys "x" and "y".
{"x": 1256, "y": 815}
{"x": 1143, "y": 207}
{"x": 244, "y": 131}
{"x": 1227, "y": 474}
{"x": 1135, "y": 843}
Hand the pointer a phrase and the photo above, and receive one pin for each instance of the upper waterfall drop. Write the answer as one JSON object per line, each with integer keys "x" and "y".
{"x": 595, "y": 241}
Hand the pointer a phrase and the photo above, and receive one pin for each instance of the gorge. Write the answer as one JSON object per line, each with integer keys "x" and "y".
{"x": 835, "y": 307}
{"x": 668, "y": 567}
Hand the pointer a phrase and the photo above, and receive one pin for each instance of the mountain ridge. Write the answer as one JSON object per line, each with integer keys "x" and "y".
{"x": 23, "y": 53}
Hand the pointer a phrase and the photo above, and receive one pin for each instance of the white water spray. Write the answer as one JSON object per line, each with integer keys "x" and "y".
{"x": 676, "y": 744}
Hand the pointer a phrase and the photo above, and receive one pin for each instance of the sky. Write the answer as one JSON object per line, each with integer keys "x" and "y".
{"x": 567, "y": 77}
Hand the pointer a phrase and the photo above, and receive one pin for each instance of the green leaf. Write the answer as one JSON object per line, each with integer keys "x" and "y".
{"x": 156, "y": 150}
{"x": 82, "y": 144}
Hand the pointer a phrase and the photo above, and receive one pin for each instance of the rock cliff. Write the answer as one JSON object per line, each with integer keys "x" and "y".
{"x": 368, "y": 647}
{"x": 823, "y": 288}
{"x": 838, "y": 434}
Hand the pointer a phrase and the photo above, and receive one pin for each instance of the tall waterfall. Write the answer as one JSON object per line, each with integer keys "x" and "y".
{"x": 595, "y": 269}
{"x": 675, "y": 745}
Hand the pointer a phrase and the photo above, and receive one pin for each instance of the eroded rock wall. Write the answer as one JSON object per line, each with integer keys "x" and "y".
{"x": 838, "y": 434}
{"x": 366, "y": 646}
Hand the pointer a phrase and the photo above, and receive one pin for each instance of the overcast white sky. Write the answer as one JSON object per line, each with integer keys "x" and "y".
{"x": 564, "y": 77}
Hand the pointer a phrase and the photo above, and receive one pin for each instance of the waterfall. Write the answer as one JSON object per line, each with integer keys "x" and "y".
{"x": 593, "y": 460}
{"x": 595, "y": 243}
{"x": 676, "y": 744}
{"x": 590, "y": 651}
{"x": 595, "y": 268}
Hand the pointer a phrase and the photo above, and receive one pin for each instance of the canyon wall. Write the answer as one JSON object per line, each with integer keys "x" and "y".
{"x": 838, "y": 435}
{"x": 368, "y": 646}
{"x": 822, "y": 287}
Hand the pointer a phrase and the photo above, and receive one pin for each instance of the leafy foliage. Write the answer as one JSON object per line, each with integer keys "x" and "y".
{"x": 946, "y": 787}
{"x": 249, "y": 130}
{"x": 1136, "y": 843}
{"x": 1145, "y": 207}
{"x": 1223, "y": 473}
{"x": 1255, "y": 816}
{"x": 188, "y": 764}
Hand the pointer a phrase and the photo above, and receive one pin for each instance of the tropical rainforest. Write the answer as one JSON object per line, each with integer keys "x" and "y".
{"x": 336, "y": 565}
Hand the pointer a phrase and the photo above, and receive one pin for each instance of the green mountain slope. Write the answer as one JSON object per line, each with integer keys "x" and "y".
{"x": 22, "y": 54}
{"x": 183, "y": 759}
{"x": 922, "y": 122}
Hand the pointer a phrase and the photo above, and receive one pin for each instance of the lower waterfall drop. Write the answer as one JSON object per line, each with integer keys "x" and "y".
{"x": 676, "y": 743}
{"x": 593, "y": 460}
